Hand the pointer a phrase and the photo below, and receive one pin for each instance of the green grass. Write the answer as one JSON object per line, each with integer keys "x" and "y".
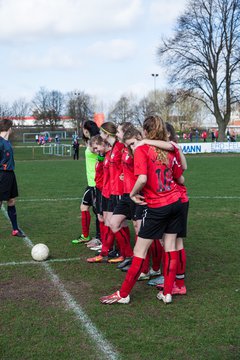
{"x": 35, "y": 323}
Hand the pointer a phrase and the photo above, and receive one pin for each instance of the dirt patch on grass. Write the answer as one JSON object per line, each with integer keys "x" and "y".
{"x": 21, "y": 288}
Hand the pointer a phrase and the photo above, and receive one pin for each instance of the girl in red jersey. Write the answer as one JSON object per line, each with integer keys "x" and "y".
{"x": 108, "y": 132}
{"x": 125, "y": 208}
{"x": 154, "y": 168}
{"x": 155, "y": 251}
{"x": 179, "y": 287}
{"x": 104, "y": 194}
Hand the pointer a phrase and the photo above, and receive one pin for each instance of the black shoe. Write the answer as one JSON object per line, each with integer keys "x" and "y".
{"x": 124, "y": 263}
{"x": 18, "y": 233}
{"x": 125, "y": 268}
{"x": 113, "y": 253}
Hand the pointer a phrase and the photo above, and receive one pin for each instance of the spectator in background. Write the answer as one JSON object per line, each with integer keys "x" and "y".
{"x": 212, "y": 136}
{"x": 204, "y": 136}
{"x": 45, "y": 138}
{"x": 36, "y": 138}
{"x": 233, "y": 136}
{"x": 196, "y": 135}
{"x": 190, "y": 136}
{"x": 228, "y": 135}
{"x": 75, "y": 149}
{"x": 216, "y": 135}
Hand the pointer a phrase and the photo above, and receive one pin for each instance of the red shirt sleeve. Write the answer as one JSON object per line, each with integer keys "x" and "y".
{"x": 141, "y": 160}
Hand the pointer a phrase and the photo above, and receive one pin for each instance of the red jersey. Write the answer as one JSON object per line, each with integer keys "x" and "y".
{"x": 181, "y": 188}
{"x": 106, "y": 179}
{"x": 115, "y": 169}
{"x": 160, "y": 188}
{"x": 99, "y": 175}
{"x": 128, "y": 172}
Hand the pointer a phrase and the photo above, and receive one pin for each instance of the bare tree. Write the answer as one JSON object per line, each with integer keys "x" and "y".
{"x": 203, "y": 55}
{"x": 20, "y": 109}
{"x": 187, "y": 110}
{"x": 122, "y": 111}
{"x": 5, "y": 110}
{"x": 47, "y": 107}
{"x": 80, "y": 108}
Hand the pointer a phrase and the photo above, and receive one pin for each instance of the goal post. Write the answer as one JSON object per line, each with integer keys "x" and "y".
{"x": 57, "y": 149}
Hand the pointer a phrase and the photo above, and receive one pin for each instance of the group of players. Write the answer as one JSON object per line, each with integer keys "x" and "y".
{"x": 137, "y": 175}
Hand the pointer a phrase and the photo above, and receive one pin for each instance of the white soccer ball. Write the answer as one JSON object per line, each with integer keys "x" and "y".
{"x": 40, "y": 252}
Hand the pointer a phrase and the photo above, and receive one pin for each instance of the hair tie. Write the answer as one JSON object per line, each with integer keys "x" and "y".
{"x": 107, "y": 132}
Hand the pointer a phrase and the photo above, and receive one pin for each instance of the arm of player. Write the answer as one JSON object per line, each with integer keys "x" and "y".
{"x": 139, "y": 184}
{"x": 180, "y": 180}
{"x": 164, "y": 145}
{"x": 183, "y": 159}
{"x": 182, "y": 156}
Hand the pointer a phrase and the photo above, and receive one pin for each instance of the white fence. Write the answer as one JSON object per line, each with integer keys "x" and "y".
{"x": 57, "y": 149}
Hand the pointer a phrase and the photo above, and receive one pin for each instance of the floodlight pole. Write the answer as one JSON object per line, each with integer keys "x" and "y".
{"x": 154, "y": 82}
{"x": 77, "y": 94}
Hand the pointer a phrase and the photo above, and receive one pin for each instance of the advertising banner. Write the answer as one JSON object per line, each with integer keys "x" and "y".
{"x": 214, "y": 147}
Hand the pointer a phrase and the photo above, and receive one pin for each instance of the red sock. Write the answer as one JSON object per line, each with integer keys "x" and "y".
{"x": 163, "y": 260}
{"x": 132, "y": 276}
{"x": 123, "y": 240}
{"x": 128, "y": 248}
{"x": 102, "y": 229}
{"x": 146, "y": 263}
{"x": 156, "y": 252}
{"x": 108, "y": 240}
{"x": 86, "y": 219}
{"x": 170, "y": 270}
{"x": 181, "y": 267}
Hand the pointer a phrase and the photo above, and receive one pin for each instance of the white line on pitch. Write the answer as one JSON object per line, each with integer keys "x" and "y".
{"x": 103, "y": 345}
{"x": 215, "y": 197}
{"x": 79, "y": 198}
{"x": 49, "y": 199}
{"x": 32, "y": 262}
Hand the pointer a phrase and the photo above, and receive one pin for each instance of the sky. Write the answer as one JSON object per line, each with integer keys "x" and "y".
{"x": 105, "y": 48}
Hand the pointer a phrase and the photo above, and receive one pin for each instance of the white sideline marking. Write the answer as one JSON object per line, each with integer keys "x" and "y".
{"x": 214, "y": 197}
{"x": 79, "y": 198}
{"x": 103, "y": 345}
{"x": 49, "y": 199}
{"x": 32, "y": 262}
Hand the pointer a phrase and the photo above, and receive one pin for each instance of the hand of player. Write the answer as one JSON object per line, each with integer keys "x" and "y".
{"x": 138, "y": 199}
{"x": 139, "y": 143}
{"x": 175, "y": 145}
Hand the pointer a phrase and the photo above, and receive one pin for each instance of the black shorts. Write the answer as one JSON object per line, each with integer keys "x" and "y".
{"x": 89, "y": 196}
{"x": 113, "y": 201}
{"x": 139, "y": 212}
{"x": 99, "y": 208}
{"x": 165, "y": 219}
{"x": 185, "y": 207}
{"x": 126, "y": 207}
{"x": 104, "y": 203}
{"x": 8, "y": 185}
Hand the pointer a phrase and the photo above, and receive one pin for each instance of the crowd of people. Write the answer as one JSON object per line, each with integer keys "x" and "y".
{"x": 42, "y": 139}
{"x": 136, "y": 175}
{"x": 195, "y": 135}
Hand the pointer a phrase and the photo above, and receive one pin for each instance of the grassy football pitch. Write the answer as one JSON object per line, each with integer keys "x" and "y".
{"x": 51, "y": 310}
